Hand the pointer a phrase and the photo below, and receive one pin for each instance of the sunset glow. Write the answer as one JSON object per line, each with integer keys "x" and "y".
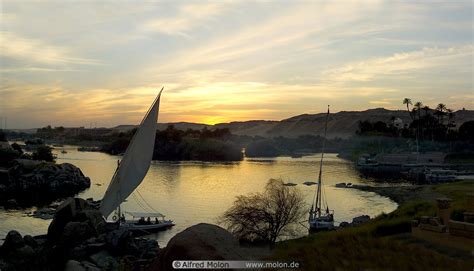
{"x": 80, "y": 62}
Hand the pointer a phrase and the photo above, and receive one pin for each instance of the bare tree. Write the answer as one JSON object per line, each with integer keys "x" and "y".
{"x": 266, "y": 216}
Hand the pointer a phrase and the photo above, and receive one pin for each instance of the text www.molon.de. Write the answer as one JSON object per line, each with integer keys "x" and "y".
{"x": 235, "y": 265}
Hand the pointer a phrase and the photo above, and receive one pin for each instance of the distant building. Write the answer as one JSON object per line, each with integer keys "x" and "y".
{"x": 398, "y": 122}
{"x": 411, "y": 158}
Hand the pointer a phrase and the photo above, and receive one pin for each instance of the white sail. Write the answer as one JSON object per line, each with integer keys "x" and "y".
{"x": 135, "y": 162}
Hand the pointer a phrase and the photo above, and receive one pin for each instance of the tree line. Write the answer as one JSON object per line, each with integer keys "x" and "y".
{"x": 173, "y": 144}
{"x": 436, "y": 124}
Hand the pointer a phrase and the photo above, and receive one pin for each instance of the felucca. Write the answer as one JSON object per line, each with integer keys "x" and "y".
{"x": 130, "y": 172}
{"x": 320, "y": 217}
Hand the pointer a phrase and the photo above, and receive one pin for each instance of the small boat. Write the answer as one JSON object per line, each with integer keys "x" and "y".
{"x": 439, "y": 175}
{"x": 289, "y": 184}
{"x": 130, "y": 172}
{"x": 341, "y": 185}
{"x": 88, "y": 149}
{"x": 321, "y": 218}
{"x": 63, "y": 151}
{"x": 308, "y": 183}
{"x": 146, "y": 222}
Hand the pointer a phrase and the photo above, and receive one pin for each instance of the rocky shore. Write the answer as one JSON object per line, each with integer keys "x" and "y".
{"x": 79, "y": 239}
{"x": 400, "y": 194}
{"x": 29, "y": 182}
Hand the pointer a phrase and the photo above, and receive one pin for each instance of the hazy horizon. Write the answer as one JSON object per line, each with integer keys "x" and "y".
{"x": 97, "y": 125}
{"x": 76, "y": 63}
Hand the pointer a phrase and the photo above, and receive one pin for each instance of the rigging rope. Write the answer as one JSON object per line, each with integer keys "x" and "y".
{"x": 151, "y": 207}
{"x": 145, "y": 208}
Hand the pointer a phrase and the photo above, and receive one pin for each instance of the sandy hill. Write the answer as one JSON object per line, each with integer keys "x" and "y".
{"x": 341, "y": 124}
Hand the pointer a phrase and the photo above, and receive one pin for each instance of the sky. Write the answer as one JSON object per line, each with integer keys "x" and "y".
{"x": 101, "y": 63}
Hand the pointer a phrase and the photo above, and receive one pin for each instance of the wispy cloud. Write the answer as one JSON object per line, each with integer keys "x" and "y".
{"x": 34, "y": 50}
{"x": 400, "y": 63}
{"x": 188, "y": 17}
{"x": 237, "y": 60}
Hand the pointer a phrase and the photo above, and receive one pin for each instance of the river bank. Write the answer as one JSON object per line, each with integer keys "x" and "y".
{"x": 401, "y": 194}
{"x": 385, "y": 242}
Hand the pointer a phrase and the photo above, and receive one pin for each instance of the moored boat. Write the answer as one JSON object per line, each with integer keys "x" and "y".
{"x": 321, "y": 218}
{"x": 131, "y": 171}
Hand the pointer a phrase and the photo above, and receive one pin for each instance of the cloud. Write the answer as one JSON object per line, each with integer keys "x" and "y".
{"x": 401, "y": 63}
{"x": 239, "y": 60}
{"x": 33, "y": 50}
{"x": 189, "y": 16}
{"x": 34, "y": 69}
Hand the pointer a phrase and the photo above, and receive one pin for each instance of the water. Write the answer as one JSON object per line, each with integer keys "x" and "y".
{"x": 192, "y": 192}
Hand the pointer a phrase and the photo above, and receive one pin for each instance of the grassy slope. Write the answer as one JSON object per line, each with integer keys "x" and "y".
{"x": 383, "y": 243}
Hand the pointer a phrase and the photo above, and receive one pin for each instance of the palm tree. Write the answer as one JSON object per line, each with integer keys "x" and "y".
{"x": 426, "y": 109}
{"x": 450, "y": 114}
{"x": 440, "y": 108}
{"x": 427, "y": 121}
{"x": 450, "y": 119}
{"x": 418, "y": 106}
{"x": 407, "y": 101}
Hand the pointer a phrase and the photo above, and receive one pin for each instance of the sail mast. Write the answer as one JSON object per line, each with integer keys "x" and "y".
{"x": 135, "y": 162}
{"x": 318, "y": 195}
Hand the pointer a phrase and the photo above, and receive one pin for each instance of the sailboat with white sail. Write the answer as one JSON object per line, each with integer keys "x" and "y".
{"x": 320, "y": 217}
{"x": 130, "y": 172}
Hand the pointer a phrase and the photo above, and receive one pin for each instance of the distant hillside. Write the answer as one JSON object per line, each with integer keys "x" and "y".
{"x": 341, "y": 124}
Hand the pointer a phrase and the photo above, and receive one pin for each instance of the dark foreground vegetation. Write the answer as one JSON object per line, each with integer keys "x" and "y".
{"x": 265, "y": 217}
{"x": 385, "y": 243}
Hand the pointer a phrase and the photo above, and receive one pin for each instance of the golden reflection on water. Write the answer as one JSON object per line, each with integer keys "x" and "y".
{"x": 191, "y": 192}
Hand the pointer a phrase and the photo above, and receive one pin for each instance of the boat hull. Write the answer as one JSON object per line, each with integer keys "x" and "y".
{"x": 146, "y": 228}
{"x": 323, "y": 223}
{"x": 138, "y": 229}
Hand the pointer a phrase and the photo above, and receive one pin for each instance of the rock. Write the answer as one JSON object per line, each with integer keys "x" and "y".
{"x": 22, "y": 258}
{"x": 344, "y": 224}
{"x": 73, "y": 265}
{"x": 13, "y": 241}
{"x": 199, "y": 242}
{"x": 76, "y": 210}
{"x": 360, "y": 219}
{"x": 75, "y": 233}
{"x": 33, "y": 183}
{"x": 117, "y": 240}
{"x": 94, "y": 217}
{"x": 104, "y": 260}
{"x": 30, "y": 241}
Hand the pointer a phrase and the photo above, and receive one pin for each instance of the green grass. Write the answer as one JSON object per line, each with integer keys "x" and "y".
{"x": 375, "y": 246}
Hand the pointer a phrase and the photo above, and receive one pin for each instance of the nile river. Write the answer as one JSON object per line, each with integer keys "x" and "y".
{"x": 192, "y": 192}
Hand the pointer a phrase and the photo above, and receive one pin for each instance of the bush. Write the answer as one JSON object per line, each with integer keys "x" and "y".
{"x": 43, "y": 153}
{"x": 17, "y": 148}
{"x": 392, "y": 227}
{"x": 7, "y": 156}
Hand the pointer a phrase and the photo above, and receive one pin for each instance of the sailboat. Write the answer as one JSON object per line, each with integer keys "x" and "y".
{"x": 130, "y": 172}
{"x": 320, "y": 218}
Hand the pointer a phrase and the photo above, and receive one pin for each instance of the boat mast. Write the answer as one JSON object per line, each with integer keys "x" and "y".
{"x": 318, "y": 195}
